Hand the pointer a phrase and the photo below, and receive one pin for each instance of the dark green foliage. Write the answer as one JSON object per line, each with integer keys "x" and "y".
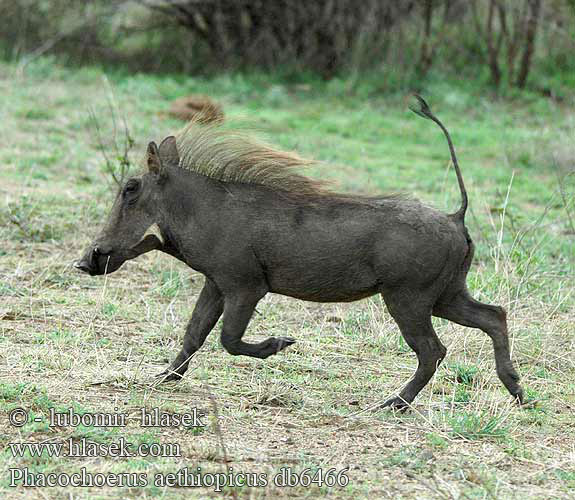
{"x": 405, "y": 40}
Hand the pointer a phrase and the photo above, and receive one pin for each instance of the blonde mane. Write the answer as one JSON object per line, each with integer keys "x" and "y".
{"x": 233, "y": 156}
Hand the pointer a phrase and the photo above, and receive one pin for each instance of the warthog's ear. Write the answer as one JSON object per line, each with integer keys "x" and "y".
{"x": 154, "y": 161}
{"x": 169, "y": 151}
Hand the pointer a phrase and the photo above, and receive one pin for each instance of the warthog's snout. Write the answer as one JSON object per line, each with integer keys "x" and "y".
{"x": 89, "y": 263}
{"x": 105, "y": 257}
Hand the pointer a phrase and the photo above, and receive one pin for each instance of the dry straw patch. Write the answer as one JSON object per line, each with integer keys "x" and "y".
{"x": 196, "y": 107}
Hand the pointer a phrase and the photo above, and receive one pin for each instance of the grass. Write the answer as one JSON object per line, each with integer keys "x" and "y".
{"x": 95, "y": 344}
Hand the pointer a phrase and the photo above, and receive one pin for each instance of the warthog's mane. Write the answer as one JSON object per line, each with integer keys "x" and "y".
{"x": 232, "y": 156}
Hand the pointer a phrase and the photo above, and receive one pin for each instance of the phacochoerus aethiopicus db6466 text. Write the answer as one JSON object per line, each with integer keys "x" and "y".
{"x": 235, "y": 211}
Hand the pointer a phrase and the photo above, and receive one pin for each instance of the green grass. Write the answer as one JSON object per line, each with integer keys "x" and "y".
{"x": 95, "y": 343}
{"x": 473, "y": 426}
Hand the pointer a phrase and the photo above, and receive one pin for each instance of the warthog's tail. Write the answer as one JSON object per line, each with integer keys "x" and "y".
{"x": 425, "y": 112}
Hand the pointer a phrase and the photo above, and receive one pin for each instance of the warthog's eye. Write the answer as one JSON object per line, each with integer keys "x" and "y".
{"x": 132, "y": 186}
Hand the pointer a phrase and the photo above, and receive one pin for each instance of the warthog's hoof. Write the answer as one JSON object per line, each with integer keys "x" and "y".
{"x": 283, "y": 342}
{"x": 169, "y": 375}
{"x": 396, "y": 403}
{"x": 518, "y": 397}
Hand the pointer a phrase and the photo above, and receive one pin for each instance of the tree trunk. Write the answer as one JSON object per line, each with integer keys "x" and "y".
{"x": 426, "y": 56}
{"x": 492, "y": 49}
{"x": 534, "y": 9}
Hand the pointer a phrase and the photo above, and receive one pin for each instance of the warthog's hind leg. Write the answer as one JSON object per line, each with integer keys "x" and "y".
{"x": 413, "y": 317}
{"x": 461, "y": 308}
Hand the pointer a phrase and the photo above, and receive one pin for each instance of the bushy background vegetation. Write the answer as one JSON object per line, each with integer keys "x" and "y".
{"x": 506, "y": 43}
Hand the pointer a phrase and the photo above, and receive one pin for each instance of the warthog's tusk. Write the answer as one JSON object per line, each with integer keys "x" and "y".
{"x": 154, "y": 230}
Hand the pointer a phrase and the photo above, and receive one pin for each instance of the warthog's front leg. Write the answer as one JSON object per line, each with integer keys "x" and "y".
{"x": 237, "y": 313}
{"x": 208, "y": 310}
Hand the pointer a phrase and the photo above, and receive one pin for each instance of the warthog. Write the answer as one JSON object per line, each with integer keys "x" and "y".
{"x": 233, "y": 210}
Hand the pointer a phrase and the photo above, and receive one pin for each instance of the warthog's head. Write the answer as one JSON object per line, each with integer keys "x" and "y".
{"x": 132, "y": 227}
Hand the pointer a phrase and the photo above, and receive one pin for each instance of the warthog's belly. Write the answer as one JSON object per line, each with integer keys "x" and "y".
{"x": 328, "y": 295}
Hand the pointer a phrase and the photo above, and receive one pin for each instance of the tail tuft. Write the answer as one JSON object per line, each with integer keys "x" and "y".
{"x": 425, "y": 112}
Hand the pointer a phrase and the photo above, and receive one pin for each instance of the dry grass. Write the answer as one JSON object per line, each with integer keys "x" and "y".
{"x": 96, "y": 343}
